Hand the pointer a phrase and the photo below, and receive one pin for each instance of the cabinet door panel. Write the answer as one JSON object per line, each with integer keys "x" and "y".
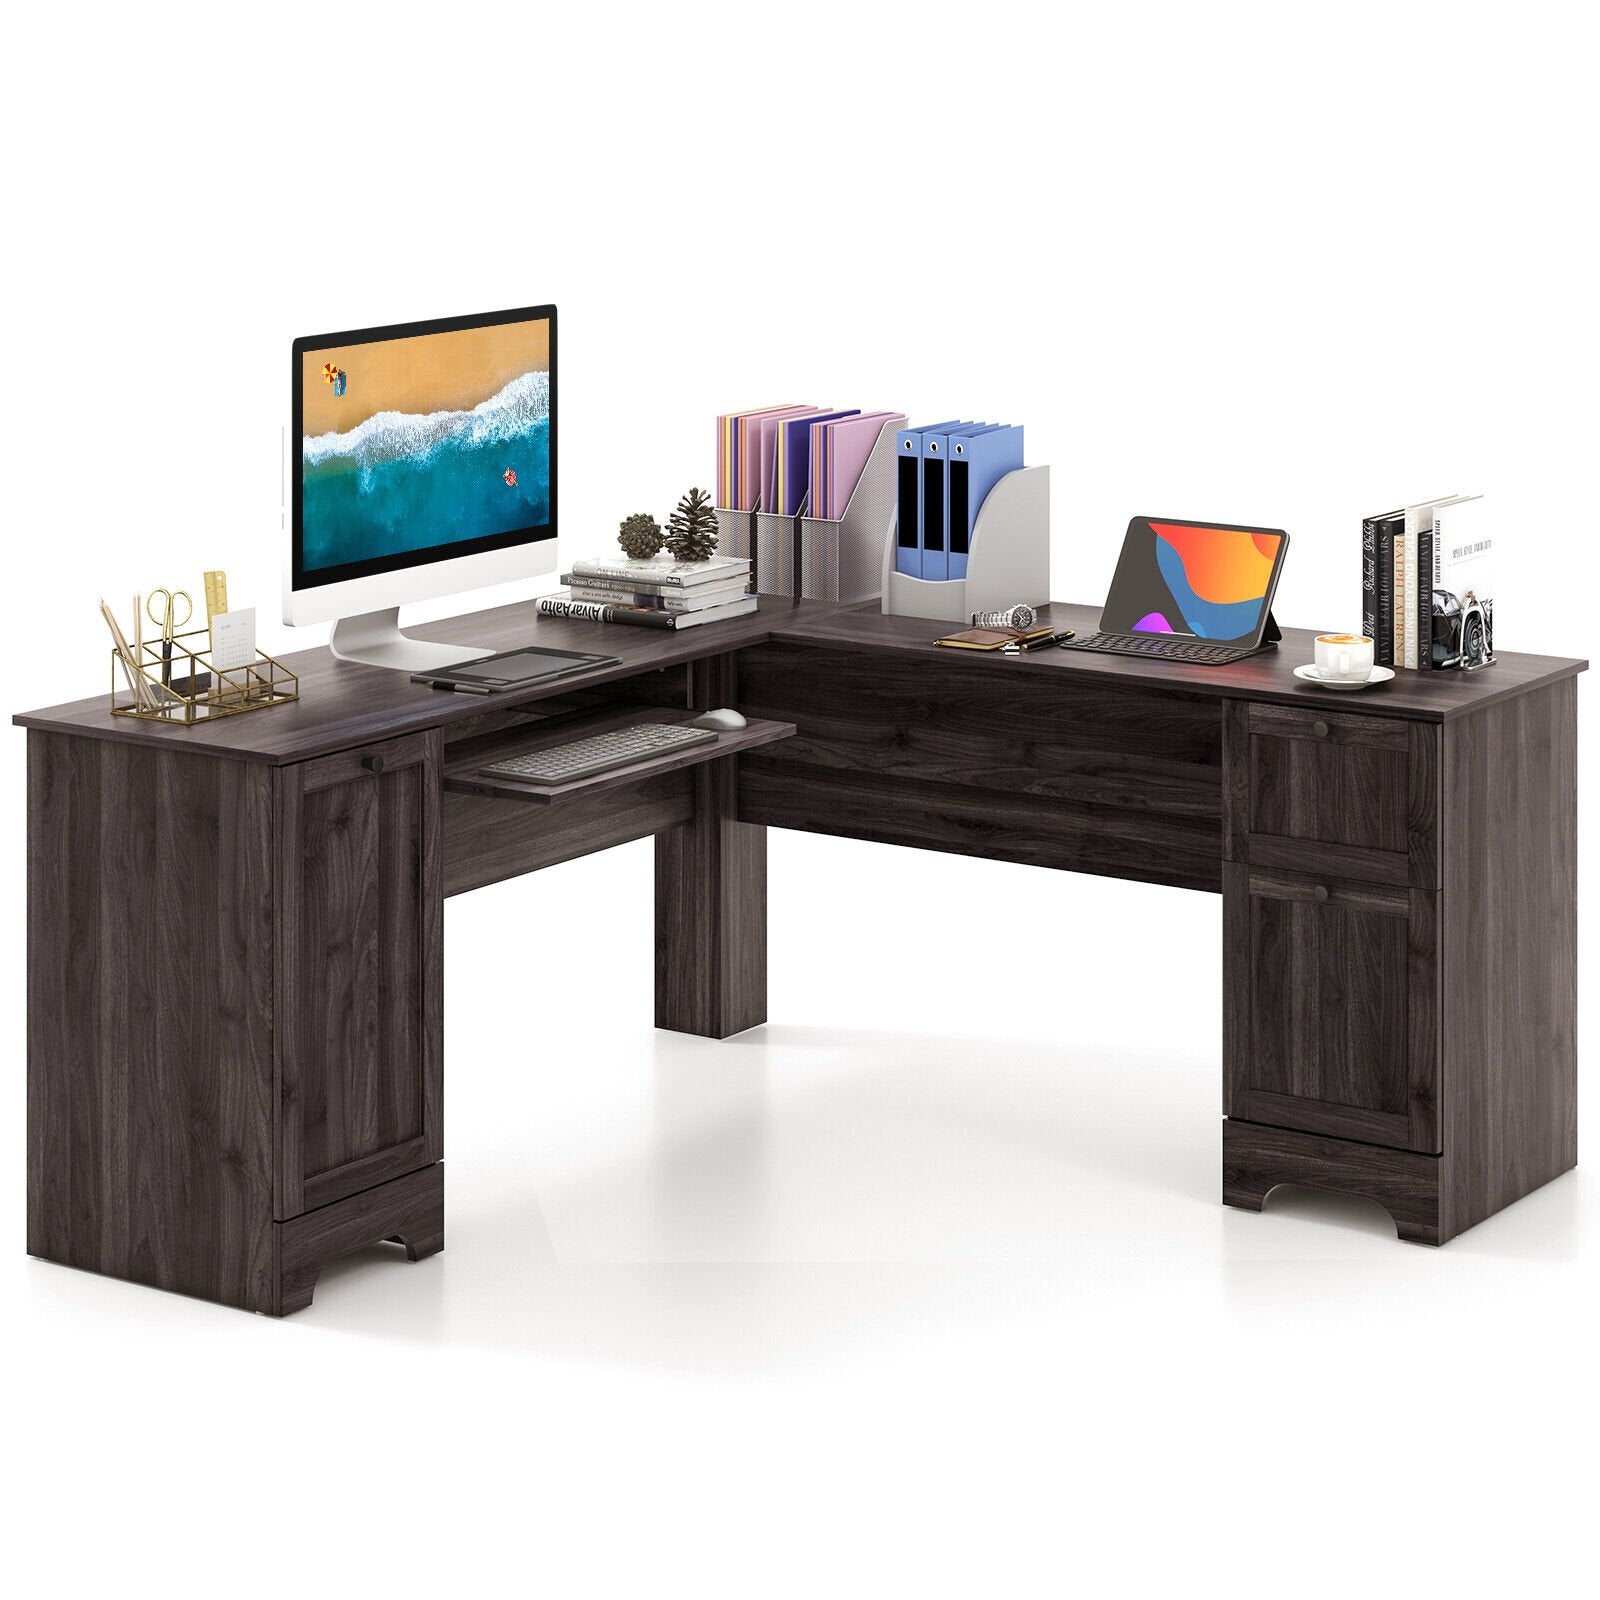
{"x": 359, "y": 1004}
{"x": 1351, "y": 796}
{"x": 1332, "y": 1007}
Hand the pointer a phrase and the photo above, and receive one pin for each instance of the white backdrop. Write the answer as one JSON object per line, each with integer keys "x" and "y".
{"x": 918, "y": 1289}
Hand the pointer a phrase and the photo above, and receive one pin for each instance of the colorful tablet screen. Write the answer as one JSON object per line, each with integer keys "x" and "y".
{"x": 1195, "y": 580}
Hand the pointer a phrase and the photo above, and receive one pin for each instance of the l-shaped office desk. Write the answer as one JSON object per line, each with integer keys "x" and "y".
{"x": 235, "y": 931}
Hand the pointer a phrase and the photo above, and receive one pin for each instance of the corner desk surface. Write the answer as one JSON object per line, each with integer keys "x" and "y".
{"x": 232, "y": 1084}
{"x": 343, "y": 704}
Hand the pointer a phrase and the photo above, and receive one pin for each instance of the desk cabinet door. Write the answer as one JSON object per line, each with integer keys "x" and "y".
{"x": 1330, "y": 1007}
{"x": 359, "y": 970}
{"x": 1321, "y": 791}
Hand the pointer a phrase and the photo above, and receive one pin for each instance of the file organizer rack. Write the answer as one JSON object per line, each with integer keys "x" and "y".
{"x": 1009, "y": 561}
{"x": 839, "y": 558}
{"x": 820, "y": 558}
{"x": 735, "y": 532}
{"x": 775, "y": 541}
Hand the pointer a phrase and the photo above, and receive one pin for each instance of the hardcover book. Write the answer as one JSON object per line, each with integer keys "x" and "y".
{"x": 664, "y": 574}
{"x": 562, "y": 605}
{"x": 1463, "y": 562}
{"x": 1389, "y": 529}
{"x": 1372, "y": 583}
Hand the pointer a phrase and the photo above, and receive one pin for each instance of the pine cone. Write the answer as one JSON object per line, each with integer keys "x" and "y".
{"x": 692, "y": 528}
{"x": 640, "y": 537}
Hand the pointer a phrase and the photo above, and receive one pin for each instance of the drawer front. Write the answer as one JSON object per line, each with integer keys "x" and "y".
{"x": 1331, "y": 1006}
{"x": 1348, "y": 796}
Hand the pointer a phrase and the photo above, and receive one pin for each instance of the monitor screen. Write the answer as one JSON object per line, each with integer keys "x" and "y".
{"x": 422, "y": 442}
{"x": 1194, "y": 579}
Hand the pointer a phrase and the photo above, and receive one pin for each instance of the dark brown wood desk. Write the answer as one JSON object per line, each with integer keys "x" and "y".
{"x": 235, "y": 1045}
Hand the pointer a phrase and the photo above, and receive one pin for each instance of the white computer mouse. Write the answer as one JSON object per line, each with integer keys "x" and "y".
{"x": 724, "y": 721}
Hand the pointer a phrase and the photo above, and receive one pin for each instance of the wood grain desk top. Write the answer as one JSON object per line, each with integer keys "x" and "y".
{"x": 343, "y": 704}
{"x": 1418, "y": 696}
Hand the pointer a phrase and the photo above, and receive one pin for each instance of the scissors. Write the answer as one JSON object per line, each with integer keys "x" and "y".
{"x": 167, "y": 619}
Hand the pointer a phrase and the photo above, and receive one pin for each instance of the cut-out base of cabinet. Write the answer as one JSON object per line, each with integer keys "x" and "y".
{"x": 1406, "y": 1183}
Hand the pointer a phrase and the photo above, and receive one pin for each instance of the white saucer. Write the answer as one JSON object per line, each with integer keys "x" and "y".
{"x": 1312, "y": 673}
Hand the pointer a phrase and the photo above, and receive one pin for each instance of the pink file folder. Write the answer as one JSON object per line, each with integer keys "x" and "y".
{"x": 839, "y": 454}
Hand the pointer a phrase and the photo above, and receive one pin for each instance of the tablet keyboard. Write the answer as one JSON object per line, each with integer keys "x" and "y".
{"x": 1163, "y": 646}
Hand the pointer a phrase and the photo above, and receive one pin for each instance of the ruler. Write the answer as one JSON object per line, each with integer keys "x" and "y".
{"x": 216, "y": 596}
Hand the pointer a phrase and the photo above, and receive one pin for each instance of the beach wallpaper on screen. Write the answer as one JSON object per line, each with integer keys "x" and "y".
{"x": 410, "y": 443}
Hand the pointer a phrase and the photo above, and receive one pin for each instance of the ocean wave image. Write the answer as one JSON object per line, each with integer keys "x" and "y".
{"x": 397, "y": 482}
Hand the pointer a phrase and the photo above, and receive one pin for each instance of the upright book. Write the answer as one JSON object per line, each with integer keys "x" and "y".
{"x": 1372, "y": 585}
{"x": 1419, "y": 522}
{"x": 1463, "y": 571}
{"x": 1422, "y": 600}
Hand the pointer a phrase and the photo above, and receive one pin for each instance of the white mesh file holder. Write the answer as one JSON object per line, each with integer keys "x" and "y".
{"x": 775, "y": 553}
{"x": 735, "y": 533}
{"x": 842, "y": 559}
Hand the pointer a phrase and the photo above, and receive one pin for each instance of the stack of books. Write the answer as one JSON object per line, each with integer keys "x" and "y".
{"x": 1419, "y": 566}
{"x": 654, "y": 594}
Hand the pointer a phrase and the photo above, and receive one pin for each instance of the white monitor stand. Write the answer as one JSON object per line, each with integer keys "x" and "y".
{"x": 375, "y": 640}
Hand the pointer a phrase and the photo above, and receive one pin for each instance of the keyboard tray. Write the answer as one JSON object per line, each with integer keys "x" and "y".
{"x": 463, "y": 761}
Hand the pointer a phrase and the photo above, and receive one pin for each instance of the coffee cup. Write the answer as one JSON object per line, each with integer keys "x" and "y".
{"x": 1344, "y": 657}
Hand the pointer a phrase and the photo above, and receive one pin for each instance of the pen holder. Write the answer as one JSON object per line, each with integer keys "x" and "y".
{"x": 154, "y": 686}
{"x": 1009, "y": 560}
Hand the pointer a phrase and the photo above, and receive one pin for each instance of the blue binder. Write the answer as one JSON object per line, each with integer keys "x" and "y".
{"x": 908, "y": 519}
{"x": 975, "y": 465}
{"x": 936, "y": 449}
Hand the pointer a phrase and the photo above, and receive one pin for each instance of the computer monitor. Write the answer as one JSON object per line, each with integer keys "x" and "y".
{"x": 423, "y": 464}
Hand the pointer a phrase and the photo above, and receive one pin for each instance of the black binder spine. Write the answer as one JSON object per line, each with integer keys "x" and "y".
{"x": 908, "y": 525}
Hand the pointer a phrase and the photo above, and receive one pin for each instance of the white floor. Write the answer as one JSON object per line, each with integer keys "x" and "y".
{"x": 923, "y": 1287}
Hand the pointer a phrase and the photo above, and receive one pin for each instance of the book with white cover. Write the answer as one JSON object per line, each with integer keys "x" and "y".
{"x": 1463, "y": 550}
{"x": 1419, "y": 518}
{"x": 666, "y": 574}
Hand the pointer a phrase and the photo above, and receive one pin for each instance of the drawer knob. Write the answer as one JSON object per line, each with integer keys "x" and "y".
{"x": 373, "y": 764}
{"x": 1320, "y": 729}
{"x": 1320, "y": 894}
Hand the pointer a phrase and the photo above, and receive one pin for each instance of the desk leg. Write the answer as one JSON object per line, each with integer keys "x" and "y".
{"x": 711, "y": 916}
{"x": 711, "y": 898}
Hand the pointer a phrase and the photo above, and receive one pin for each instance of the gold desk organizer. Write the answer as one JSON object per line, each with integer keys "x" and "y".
{"x": 232, "y": 690}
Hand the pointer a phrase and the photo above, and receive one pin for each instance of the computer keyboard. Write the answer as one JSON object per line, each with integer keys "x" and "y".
{"x": 1163, "y": 646}
{"x": 620, "y": 747}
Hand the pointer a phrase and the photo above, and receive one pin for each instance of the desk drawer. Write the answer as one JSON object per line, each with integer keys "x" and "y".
{"x": 1329, "y": 792}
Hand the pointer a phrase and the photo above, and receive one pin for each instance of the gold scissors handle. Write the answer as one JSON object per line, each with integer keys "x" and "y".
{"x": 167, "y": 618}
